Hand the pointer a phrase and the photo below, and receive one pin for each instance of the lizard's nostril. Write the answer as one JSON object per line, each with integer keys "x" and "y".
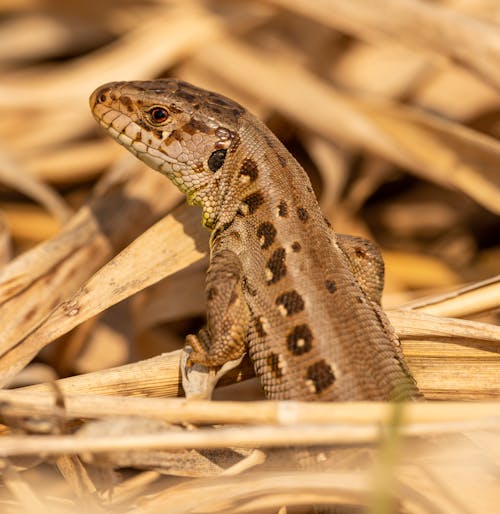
{"x": 93, "y": 100}
{"x": 99, "y": 96}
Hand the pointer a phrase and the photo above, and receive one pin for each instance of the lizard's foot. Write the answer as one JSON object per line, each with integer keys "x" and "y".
{"x": 198, "y": 380}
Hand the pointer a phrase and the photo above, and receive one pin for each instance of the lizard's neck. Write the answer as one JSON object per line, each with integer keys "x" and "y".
{"x": 258, "y": 165}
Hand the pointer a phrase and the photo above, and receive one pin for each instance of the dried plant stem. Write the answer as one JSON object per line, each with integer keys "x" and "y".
{"x": 466, "y": 301}
{"x": 177, "y": 410}
{"x": 246, "y": 437}
{"x": 419, "y": 324}
{"x": 22, "y": 491}
{"x": 113, "y": 283}
{"x": 260, "y": 491}
{"x": 433, "y": 29}
{"x": 159, "y": 376}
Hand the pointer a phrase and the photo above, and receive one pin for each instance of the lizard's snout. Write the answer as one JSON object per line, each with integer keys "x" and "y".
{"x": 105, "y": 94}
{"x": 92, "y": 99}
{"x": 99, "y": 96}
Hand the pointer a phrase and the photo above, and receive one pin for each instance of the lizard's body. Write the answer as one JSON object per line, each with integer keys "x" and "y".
{"x": 281, "y": 284}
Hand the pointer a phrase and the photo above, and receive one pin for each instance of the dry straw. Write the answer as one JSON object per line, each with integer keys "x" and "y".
{"x": 391, "y": 106}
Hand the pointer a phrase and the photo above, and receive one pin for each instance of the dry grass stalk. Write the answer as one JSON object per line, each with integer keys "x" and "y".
{"x": 394, "y": 100}
{"x": 177, "y": 410}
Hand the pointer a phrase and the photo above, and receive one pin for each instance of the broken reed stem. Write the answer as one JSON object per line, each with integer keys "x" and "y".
{"x": 180, "y": 410}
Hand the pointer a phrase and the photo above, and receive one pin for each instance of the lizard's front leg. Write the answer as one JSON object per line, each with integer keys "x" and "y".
{"x": 221, "y": 345}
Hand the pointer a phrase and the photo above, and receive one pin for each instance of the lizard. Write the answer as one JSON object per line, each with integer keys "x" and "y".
{"x": 303, "y": 301}
{"x": 282, "y": 285}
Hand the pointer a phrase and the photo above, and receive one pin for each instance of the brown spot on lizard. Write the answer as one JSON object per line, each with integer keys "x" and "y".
{"x": 353, "y": 355}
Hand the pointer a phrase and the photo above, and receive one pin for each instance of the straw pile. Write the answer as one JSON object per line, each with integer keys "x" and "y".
{"x": 392, "y": 108}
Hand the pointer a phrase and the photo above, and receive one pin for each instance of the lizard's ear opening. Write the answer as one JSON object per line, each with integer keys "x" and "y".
{"x": 216, "y": 159}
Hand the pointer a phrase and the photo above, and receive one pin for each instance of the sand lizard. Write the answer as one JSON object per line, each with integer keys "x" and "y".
{"x": 302, "y": 300}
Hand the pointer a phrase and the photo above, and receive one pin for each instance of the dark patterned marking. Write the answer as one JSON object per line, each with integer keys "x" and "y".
{"x": 253, "y": 201}
{"x": 174, "y": 109}
{"x": 175, "y": 135}
{"x": 198, "y": 167}
{"x": 299, "y": 340}
{"x": 296, "y": 246}
{"x": 127, "y": 102}
{"x": 328, "y": 224}
{"x": 320, "y": 376}
{"x": 216, "y": 159}
{"x": 234, "y": 235}
{"x": 283, "y": 209}
{"x": 195, "y": 125}
{"x": 102, "y": 95}
{"x": 360, "y": 252}
{"x": 277, "y": 266}
{"x": 281, "y": 160}
{"x": 143, "y": 124}
{"x": 290, "y": 303}
{"x": 331, "y": 286}
{"x": 211, "y": 293}
{"x": 273, "y": 361}
{"x": 138, "y": 136}
{"x": 269, "y": 141}
{"x": 235, "y": 143}
{"x": 249, "y": 169}
{"x": 182, "y": 93}
{"x": 259, "y": 327}
{"x": 227, "y": 225}
{"x": 218, "y": 100}
{"x": 302, "y": 214}
{"x": 266, "y": 234}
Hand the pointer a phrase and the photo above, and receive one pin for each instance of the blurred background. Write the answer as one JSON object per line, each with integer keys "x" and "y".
{"x": 391, "y": 107}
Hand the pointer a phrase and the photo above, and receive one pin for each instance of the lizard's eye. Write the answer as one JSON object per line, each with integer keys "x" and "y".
{"x": 158, "y": 115}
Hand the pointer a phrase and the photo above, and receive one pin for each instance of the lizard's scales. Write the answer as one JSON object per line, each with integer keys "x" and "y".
{"x": 281, "y": 282}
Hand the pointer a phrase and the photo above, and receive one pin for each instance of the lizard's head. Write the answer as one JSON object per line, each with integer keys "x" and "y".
{"x": 174, "y": 127}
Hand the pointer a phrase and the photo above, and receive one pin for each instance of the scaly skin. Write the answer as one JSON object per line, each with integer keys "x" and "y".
{"x": 302, "y": 300}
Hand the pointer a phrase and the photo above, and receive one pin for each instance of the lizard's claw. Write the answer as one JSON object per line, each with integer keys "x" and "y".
{"x": 198, "y": 380}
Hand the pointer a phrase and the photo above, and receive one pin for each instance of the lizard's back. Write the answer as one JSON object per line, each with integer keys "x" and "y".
{"x": 312, "y": 330}
{"x": 314, "y": 334}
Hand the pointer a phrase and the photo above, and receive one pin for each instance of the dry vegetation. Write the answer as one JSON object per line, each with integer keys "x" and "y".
{"x": 392, "y": 106}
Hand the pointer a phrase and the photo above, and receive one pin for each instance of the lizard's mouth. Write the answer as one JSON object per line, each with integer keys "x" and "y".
{"x": 127, "y": 130}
